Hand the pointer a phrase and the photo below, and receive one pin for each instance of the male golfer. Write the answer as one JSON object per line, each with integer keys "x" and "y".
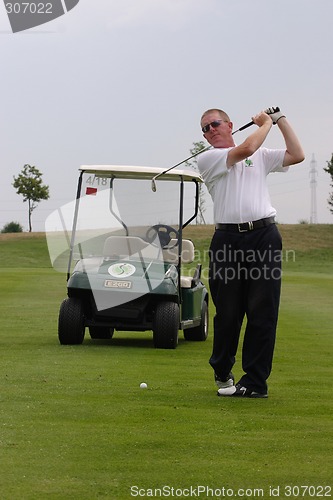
{"x": 245, "y": 252}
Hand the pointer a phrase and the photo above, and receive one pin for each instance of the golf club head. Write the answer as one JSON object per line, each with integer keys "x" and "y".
{"x": 153, "y": 185}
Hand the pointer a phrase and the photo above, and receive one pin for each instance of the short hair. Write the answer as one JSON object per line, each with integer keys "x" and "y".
{"x": 222, "y": 114}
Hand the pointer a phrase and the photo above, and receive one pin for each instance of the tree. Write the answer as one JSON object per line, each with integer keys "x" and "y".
{"x": 329, "y": 170}
{"x": 12, "y": 227}
{"x": 29, "y": 184}
{"x": 197, "y": 147}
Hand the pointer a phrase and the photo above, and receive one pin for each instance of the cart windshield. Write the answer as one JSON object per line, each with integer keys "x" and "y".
{"x": 111, "y": 212}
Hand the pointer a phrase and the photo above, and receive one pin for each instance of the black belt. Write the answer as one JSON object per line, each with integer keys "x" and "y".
{"x": 243, "y": 227}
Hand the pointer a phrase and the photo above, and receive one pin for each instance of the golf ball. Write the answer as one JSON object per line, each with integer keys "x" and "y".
{"x": 143, "y": 385}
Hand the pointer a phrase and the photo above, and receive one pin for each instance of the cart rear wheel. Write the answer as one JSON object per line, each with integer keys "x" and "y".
{"x": 71, "y": 322}
{"x": 166, "y": 325}
{"x": 199, "y": 332}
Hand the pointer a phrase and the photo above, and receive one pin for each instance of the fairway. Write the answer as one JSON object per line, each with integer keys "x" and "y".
{"x": 76, "y": 425}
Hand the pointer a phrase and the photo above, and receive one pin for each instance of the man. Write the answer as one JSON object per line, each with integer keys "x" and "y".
{"x": 245, "y": 252}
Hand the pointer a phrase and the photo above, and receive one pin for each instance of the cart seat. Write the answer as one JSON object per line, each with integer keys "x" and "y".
{"x": 170, "y": 255}
{"x": 123, "y": 246}
{"x": 186, "y": 281}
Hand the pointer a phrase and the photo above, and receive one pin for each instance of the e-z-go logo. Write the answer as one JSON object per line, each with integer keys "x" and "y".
{"x": 25, "y": 15}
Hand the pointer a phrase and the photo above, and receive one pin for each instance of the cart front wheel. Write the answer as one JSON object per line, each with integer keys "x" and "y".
{"x": 166, "y": 325}
{"x": 71, "y": 322}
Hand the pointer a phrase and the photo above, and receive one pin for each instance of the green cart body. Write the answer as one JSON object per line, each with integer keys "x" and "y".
{"x": 129, "y": 267}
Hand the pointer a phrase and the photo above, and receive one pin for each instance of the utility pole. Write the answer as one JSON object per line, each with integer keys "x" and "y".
{"x": 313, "y": 187}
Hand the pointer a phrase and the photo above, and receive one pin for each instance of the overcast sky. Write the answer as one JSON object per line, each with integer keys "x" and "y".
{"x": 125, "y": 82}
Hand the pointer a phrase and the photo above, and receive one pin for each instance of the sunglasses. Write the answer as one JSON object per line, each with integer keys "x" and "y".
{"x": 214, "y": 124}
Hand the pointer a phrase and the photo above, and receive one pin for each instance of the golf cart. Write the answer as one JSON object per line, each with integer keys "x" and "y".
{"x": 129, "y": 268}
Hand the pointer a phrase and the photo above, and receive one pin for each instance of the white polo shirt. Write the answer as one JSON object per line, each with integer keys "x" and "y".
{"x": 240, "y": 194}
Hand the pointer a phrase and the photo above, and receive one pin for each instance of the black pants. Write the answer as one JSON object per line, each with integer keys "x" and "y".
{"x": 245, "y": 279}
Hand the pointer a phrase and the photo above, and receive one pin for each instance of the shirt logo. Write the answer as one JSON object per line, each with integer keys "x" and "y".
{"x": 248, "y": 163}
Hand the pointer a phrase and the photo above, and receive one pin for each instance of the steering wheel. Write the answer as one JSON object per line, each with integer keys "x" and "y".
{"x": 165, "y": 234}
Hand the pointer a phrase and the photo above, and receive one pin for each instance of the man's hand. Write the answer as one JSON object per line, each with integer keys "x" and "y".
{"x": 261, "y": 118}
{"x": 253, "y": 142}
{"x": 275, "y": 114}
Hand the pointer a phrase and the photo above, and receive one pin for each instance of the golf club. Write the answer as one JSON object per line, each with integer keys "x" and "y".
{"x": 243, "y": 127}
{"x": 153, "y": 183}
{"x": 274, "y": 110}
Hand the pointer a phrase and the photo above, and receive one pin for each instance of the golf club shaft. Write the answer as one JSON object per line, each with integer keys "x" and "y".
{"x": 269, "y": 111}
{"x": 153, "y": 185}
{"x": 187, "y": 159}
{"x": 243, "y": 127}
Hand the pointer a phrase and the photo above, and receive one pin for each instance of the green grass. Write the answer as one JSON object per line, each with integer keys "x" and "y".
{"x": 75, "y": 424}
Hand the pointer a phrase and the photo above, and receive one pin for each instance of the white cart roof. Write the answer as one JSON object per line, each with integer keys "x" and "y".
{"x": 136, "y": 172}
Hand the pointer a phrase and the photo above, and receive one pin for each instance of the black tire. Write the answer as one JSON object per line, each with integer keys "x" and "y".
{"x": 166, "y": 325}
{"x": 200, "y": 332}
{"x": 71, "y": 322}
{"x": 101, "y": 332}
